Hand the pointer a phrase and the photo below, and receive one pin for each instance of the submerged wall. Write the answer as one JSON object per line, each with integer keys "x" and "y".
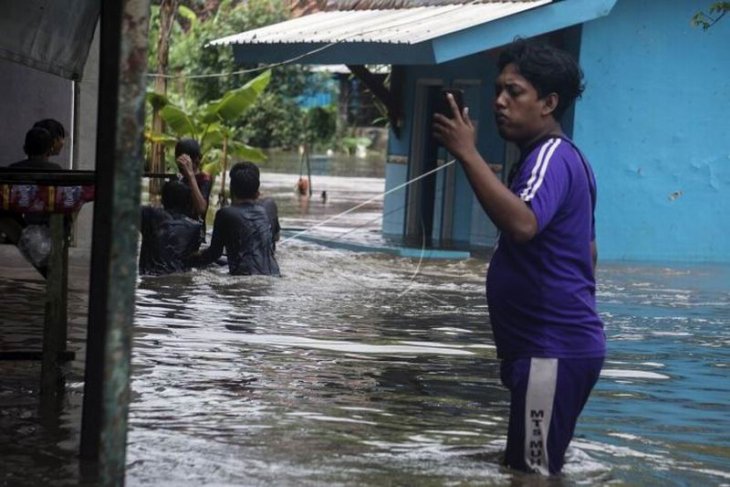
{"x": 654, "y": 123}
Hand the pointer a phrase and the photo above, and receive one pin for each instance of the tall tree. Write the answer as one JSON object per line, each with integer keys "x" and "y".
{"x": 166, "y": 19}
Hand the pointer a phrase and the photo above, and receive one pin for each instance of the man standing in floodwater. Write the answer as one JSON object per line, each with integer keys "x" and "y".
{"x": 244, "y": 228}
{"x": 541, "y": 279}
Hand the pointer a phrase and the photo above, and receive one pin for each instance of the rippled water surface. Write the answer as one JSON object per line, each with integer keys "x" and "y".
{"x": 364, "y": 369}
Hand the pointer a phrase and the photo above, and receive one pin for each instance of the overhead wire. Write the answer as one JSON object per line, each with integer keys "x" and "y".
{"x": 368, "y": 201}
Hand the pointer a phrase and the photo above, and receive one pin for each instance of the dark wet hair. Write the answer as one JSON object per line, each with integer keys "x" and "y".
{"x": 54, "y": 127}
{"x": 176, "y": 197}
{"x": 38, "y": 142}
{"x": 245, "y": 180}
{"x": 547, "y": 68}
{"x": 189, "y": 147}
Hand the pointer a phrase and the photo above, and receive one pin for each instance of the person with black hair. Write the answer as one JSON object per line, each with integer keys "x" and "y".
{"x": 58, "y": 133}
{"x": 169, "y": 236}
{"x": 541, "y": 278}
{"x": 38, "y": 146}
{"x": 242, "y": 229}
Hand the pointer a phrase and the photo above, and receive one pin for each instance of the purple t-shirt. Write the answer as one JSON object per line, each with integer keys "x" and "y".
{"x": 541, "y": 293}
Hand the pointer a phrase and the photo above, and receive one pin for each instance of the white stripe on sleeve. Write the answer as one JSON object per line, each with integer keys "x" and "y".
{"x": 538, "y": 172}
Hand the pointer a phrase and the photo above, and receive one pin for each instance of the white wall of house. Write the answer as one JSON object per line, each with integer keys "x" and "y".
{"x": 85, "y": 150}
{"x": 29, "y": 95}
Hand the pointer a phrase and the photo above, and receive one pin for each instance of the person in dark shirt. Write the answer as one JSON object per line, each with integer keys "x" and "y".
{"x": 169, "y": 236}
{"x": 272, "y": 211}
{"x": 243, "y": 229}
{"x": 38, "y": 146}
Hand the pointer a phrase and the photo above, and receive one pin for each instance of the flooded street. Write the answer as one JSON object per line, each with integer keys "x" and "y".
{"x": 366, "y": 369}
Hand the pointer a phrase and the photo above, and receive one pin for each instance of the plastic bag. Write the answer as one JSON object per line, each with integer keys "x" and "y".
{"x": 35, "y": 244}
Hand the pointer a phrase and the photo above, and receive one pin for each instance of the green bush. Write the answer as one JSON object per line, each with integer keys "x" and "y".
{"x": 274, "y": 121}
{"x": 321, "y": 125}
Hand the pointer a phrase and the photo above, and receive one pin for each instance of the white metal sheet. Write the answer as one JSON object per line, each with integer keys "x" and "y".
{"x": 393, "y": 26}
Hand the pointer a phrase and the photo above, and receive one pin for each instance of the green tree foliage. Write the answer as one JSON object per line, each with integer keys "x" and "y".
{"x": 716, "y": 11}
{"x": 212, "y": 124}
{"x": 275, "y": 120}
{"x": 321, "y": 125}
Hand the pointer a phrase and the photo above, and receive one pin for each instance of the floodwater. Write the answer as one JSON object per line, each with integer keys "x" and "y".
{"x": 365, "y": 369}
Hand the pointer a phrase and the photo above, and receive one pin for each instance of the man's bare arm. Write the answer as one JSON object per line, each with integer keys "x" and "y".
{"x": 200, "y": 206}
{"x": 509, "y": 213}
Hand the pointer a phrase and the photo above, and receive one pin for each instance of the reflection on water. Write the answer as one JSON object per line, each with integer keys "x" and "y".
{"x": 364, "y": 369}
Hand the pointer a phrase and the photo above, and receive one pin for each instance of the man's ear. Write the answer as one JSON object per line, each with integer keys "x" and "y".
{"x": 551, "y": 101}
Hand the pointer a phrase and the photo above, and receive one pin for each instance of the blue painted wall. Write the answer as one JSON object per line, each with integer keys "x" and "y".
{"x": 394, "y": 203}
{"x": 654, "y": 123}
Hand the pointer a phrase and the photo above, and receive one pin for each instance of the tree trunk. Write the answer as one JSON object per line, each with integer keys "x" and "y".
{"x": 157, "y": 163}
{"x": 223, "y": 198}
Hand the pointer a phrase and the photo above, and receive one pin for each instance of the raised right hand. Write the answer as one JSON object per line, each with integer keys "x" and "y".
{"x": 185, "y": 164}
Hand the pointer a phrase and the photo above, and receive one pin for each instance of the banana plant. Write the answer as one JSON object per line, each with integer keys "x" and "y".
{"x": 212, "y": 125}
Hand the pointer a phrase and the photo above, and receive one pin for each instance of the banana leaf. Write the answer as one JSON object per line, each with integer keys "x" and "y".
{"x": 235, "y": 102}
{"x": 178, "y": 121}
{"x": 166, "y": 139}
{"x": 246, "y": 152}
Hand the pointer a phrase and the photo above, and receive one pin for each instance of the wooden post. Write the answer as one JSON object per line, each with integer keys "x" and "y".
{"x": 56, "y": 321}
{"x": 122, "y": 68}
{"x": 157, "y": 162}
{"x": 223, "y": 198}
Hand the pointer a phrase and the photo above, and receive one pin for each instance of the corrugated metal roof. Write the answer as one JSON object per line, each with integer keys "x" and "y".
{"x": 393, "y": 26}
{"x": 383, "y": 4}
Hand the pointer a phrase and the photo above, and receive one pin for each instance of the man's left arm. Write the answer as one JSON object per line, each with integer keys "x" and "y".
{"x": 215, "y": 250}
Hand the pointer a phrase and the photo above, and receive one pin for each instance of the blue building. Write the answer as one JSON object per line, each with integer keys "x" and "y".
{"x": 653, "y": 120}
